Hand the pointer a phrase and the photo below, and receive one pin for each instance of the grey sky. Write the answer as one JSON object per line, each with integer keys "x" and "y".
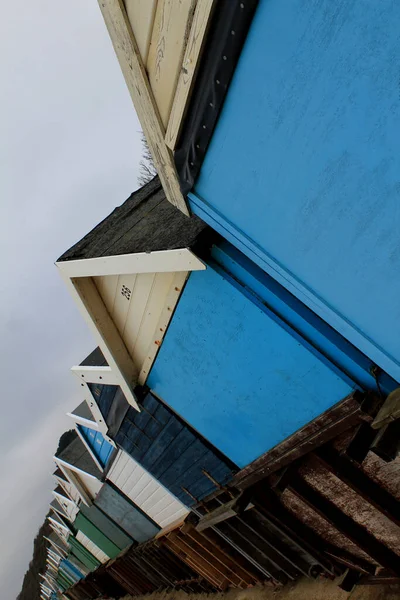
{"x": 69, "y": 153}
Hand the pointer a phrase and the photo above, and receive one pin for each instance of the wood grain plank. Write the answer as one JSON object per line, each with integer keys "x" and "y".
{"x": 191, "y": 60}
{"x": 173, "y": 452}
{"x": 147, "y": 492}
{"x": 155, "y": 452}
{"x": 151, "y": 316}
{"x": 140, "y": 296}
{"x": 167, "y": 46}
{"x": 154, "y": 342}
{"x": 122, "y": 301}
{"x": 149, "y": 505}
{"x": 172, "y": 515}
{"x": 141, "y": 15}
{"x": 133, "y": 69}
{"x": 95, "y": 313}
{"x": 107, "y": 287}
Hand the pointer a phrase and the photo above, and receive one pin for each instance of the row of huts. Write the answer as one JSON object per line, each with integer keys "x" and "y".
{"x": 243, "y": 399}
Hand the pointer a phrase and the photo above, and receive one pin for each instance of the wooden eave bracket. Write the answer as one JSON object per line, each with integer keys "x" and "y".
{"x": 134, "y": 71}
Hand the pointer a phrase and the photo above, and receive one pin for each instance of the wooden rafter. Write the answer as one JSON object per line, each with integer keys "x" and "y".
{"x": 133, "y": 69}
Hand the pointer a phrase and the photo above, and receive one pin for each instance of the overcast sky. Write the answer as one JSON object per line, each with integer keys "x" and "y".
{"x": 69, "y": 152}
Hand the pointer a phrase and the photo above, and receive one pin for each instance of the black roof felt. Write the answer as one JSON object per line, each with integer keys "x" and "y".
{"x": 146, "y": 222}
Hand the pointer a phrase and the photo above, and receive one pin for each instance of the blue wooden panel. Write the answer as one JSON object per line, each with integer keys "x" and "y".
{"x": 127, "y": 515}
{"x": 237, "y": 375}
{"x": 99, "y": 446}
{"x": 71, "y": 569}
{"x": 172, "y": 452}
{"x": 302, "y": 172}
{"x": 256, "y": 283}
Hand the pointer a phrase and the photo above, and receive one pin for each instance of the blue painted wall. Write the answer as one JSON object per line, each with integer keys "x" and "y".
{"x": 235, "y": 374}
{"x": 100, "y": 447}
{"x": 303, "y": 169}
{"x": 172, "y": 452}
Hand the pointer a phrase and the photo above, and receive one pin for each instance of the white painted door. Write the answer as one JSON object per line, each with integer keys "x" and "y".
{"x": 145, "y": 491}
{"x": 91, "y": 546}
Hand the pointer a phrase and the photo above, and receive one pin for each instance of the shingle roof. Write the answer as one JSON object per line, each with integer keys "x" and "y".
{"x": 145, "y": 222}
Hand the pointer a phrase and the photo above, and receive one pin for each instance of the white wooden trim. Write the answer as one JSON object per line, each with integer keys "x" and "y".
{"x": 100, "y": 421}
{"x": 104, "y": 375}
{"x": 64, "y": 465}
{"x": 78, "y": 274}
{"x": 89, "y": 449}
{"x": 85, "y": 422}
{"x": 66, "y": 486}
{"x": 134, "y": 71}
{"x": 93, "y": 310}
{"x": 69, "y": 471}
{"x": 54, "y": 555}
{"x": 65, "y": 496}
{"x": 58, "y": 524}
{"x": 161, "y": 261}
{"x": 92, "y": 547}
{"x": 165, "y": 317}
{"x": 60, "y": 511}
{"x": 54, "y": 545}
{"x": 190, "y": 63}
{"x": 62, "y": 483}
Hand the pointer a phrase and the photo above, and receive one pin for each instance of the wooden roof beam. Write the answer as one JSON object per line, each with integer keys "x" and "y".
{"x": 133, "y": 69}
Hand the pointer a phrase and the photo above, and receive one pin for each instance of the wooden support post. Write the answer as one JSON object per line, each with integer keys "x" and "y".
{"x": 387, "y": 442}
{"x": 224, "y": 512}
{"x": 357, "y": 480}
{"x": 349, "y": 580}
{"x": 268, "y": 504}
{"x": 390, "y": 410}
{"x": 376, "y": 549}
{"x": 360, "y": 443}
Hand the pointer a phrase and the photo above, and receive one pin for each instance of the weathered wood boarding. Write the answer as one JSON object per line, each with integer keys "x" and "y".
{"x": 168, "y": 42}
{"x": 191, "y": 59}
{"x": 134, "y": 71}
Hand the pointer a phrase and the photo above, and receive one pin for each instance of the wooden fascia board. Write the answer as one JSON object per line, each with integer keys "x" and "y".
{"x": 62, "y": 497}
{"x": 58, "y": 524}
{"x": 93, "y": 310}
{"x": 134, "y": 71}
{"x": 59, "y": 511}
{"x": 78, "y": 274}
{"x": 72, "y": 474}
{"x": 103, "y": 375}
{"x": 64, "y": 486}
{"x": 161, "y": 261}
{"x": 84, "y": 422}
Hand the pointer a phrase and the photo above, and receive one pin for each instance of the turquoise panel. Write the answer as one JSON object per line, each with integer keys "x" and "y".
{"x": 235, "y": 374}
{"x": 303, "y": 170}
